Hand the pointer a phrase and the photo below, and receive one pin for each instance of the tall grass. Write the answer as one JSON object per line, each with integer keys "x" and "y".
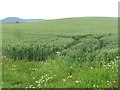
{"x": 83, "y": 48}
{"x": 59, "y": 74}
{"x": 78, "y": 52}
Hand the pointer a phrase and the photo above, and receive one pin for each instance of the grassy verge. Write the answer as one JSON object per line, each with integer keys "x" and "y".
{"x": 59, "y": 74}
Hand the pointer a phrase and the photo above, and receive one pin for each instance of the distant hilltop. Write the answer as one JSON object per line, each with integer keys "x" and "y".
{"x": 18, "y": 20}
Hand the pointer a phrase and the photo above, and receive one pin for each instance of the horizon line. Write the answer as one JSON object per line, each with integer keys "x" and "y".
{"x": 59, "y": 18}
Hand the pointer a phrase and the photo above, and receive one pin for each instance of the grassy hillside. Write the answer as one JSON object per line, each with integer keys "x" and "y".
{"x": 87, "y": 44}
{"x": 67, "y": 26}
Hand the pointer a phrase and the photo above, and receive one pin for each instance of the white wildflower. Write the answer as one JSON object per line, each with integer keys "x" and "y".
{"x": 113, "y": 81}
{"x": 77, "y": 81}
{"x": 117, "y": 57}
{"x": 91, "y": 67}
{"x": 70, "y": 76}
{"x": 93, "y": 85}
{"x": 42, "y": 77}
{"x": 46, "y": 75}
{"x": 104, "y": 65}
{"x": 33, "y": 77}
{"x": 44, "y": 84}
{"x": 58, "y": 53}
{"x": 39, "y": 85}
{"x": 64, "y": 80}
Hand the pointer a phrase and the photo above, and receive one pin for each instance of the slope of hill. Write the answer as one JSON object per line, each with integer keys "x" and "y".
{"x": 61, "y": 32}
{"x": 70, "y": 25}
{"x": 63, "y": 53}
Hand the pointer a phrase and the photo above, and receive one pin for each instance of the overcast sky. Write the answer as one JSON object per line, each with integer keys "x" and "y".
{"x": 53, "y": 9}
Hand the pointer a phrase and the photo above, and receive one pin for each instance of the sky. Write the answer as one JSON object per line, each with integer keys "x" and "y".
{"x": 54, "y": 9}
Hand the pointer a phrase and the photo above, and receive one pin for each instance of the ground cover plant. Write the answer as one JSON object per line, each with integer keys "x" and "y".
{"x": 68, "y": 53}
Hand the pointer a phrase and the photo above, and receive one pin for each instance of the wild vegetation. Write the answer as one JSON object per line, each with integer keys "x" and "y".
{"x": 73, "y": 52}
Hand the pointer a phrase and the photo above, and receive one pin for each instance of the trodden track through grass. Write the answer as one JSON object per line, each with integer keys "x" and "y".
{"x": 68, "y": 53}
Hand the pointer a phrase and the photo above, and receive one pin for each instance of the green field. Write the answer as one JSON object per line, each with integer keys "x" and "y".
{"x": 62, "y": 53}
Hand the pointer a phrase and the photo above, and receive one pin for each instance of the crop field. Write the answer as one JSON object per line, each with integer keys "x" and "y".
{"x": 62, "y": 53}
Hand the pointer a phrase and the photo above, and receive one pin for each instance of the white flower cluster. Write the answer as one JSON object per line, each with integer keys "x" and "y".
{"x": 33, "y": 69}
{"x": 42, "y": 81}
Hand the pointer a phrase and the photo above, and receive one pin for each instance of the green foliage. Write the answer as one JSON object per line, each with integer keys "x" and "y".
{"x": 81, "y": 48}
{"x": 59, "y": 74}
{"x": 47, "y": 53}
